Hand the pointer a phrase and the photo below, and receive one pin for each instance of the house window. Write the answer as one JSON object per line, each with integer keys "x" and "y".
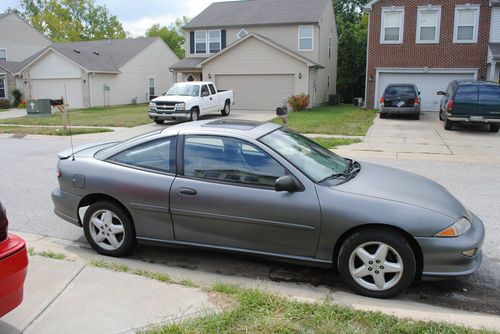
{"x": 190, "y": 78}
{"x": 306, "y": 38}
{"x": 392, "y": 25}
{"x": 200, "y": 41}
{"x": 3, "y": 91}
{"x": 214, "y": 39}
{"x": 151, "y": 83}
{"x": 242, "y": 34}
{"x": 428, "y": 24}
{"x": 466, "y": 24}
{"x": 3, "y": 54}
{"x": 330, "y": 47}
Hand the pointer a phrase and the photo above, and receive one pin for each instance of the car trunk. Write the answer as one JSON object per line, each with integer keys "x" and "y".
{"x": 402, "y": 101}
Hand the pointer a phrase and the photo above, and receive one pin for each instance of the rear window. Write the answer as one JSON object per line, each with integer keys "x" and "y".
{"x": 489, "y": 93}
{"x": 467, "y": 93}
{"x": 400, "y": 90}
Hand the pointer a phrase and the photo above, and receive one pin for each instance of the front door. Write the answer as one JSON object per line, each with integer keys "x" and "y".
{"x": 209, "y": 101}
{"x": 226, "y": 197}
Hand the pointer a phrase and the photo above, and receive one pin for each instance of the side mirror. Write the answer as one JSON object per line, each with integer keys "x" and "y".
{"x": 440, "y": 92}
{"x": 285, "y": 183}
{"x": 418, "y": 93}
{"x": 164, "y": 93}
{"x": 204, "y": 94}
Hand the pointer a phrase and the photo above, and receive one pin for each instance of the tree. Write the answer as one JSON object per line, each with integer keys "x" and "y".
{"x": 352, "y": 26}
{"x": 172, "y": 35}
{"x": 71, "y": 20}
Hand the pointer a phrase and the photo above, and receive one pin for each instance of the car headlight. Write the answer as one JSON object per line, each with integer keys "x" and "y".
{"x": 152, "y": 105}
{"x": 459, "y": 228}
{"x": 180, "y": 106}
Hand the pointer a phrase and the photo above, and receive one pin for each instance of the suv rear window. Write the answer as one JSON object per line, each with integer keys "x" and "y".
{"x": 468, "y": 92}
{"x": 400, "y": 90}
{"x": 489, "y": 93}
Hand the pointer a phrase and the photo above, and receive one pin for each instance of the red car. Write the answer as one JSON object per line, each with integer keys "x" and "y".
{"x": 13, "y": 267}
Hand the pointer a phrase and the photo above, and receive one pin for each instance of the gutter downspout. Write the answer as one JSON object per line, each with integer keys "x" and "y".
{"x": 90, "y": 89}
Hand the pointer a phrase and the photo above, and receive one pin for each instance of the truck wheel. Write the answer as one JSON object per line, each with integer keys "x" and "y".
{"x": 227, "y": 109}
{"x": 195, "y": 114}
{"x": 493, "y": 127}
{"x": 448, "y": 125}
{"x": 158, "y": 121}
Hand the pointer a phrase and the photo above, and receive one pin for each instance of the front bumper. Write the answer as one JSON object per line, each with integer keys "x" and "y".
{"x": 468, "y": 119}
{"x": 175, "y": 115}
{"x": 403, "y": 110}
{"x": 66, "y": 206}
{"x": 443, "y": 257}
{"x": 13, "y": 270}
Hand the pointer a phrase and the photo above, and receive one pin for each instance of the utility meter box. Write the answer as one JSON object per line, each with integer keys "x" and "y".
{"x": 38, "y": 107}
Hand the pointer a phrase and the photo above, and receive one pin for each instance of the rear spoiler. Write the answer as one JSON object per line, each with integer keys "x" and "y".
{"x": 69, "y": 152}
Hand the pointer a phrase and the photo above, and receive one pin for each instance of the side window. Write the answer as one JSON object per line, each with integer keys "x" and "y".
{"x": 158, "y": 155}
{"x": 449, "y": 90}
{"x": 230, "y": 160}
{"x": 489, "y": 93}
{"x": 204, "y": 89}
{"x": 212, "y": 89}
{"x": 466, "y": 93}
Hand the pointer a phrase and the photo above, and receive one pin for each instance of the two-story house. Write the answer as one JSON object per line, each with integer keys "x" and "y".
{"x": 425, "y": 42}
{"x": 494, "y": 49}
{"x": 19, "y": 41}
{"x": 264, "y": 50}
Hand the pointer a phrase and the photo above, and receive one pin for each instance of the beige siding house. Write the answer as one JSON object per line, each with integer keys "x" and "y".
{"x": 264, "y": 50}
{"x": 101, "y": 73}
{"x": 19, "y": 41}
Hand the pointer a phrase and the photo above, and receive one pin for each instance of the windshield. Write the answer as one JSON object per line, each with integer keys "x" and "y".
{"x": 315, "y": 161}
{"x": 184, "y": 90}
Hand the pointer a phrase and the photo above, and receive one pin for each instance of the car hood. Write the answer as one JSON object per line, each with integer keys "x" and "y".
{"x": 405, "y": 187}
{"x": 173, "y": 98}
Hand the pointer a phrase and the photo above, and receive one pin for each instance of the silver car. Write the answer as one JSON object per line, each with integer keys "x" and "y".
{"x": 262, "y": 189}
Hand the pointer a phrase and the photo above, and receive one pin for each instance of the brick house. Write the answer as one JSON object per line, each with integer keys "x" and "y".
{"x": 426, "y": 43}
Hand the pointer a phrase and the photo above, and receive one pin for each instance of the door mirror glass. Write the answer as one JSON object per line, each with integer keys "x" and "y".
{"x": 204, "y": 94}
{"x": 440, "y": 92}
{"x": 285, "y": 183}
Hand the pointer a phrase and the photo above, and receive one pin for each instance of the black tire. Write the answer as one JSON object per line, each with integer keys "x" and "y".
{"x": 494, "y": 127}
{"x": 227, "y": 109}
{"x": 448, "y": 125}
{"x": 158, "y": 121}
{"x": 382, "y": 115}
{"x": 195, "y": 114}
{"x": 401, "y": 251}
{"x": 127, "y": 239}
{"x": 441, "y": 117}
{"x": 417, "y": 116}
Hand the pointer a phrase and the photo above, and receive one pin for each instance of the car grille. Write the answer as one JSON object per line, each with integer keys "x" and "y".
{"x": 165, "y": 106}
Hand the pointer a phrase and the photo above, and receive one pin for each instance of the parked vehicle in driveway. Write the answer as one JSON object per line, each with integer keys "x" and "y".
{"x": 400, "y": 99}
{"x": 190, "y": 100}
{"x": 262, "y": 189}
{"x": 13, "y": 267}
{"x": 471, "y": 102}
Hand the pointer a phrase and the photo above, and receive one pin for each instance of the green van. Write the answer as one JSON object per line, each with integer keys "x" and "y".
{"x": 471, "y": 102}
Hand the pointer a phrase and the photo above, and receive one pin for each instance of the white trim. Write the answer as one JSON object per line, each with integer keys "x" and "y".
{"x": 242, "y": 30}
{"x": 401, "y": 24}
{"x": 206, "y": 44}
{"x": 190, "y": 75}
{"x": 311, "y": 38}
{"x": 4, "y": 49}
{"x": 5, "y": 88}
{"x": 149, "y": 87}
{"x": 477, "y": 8}
{"x": 220, "y": 40}
{"x": 437, "y": 9}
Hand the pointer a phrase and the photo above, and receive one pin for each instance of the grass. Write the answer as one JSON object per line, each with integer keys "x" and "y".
{"x": 117, "y": 116}
{"x": 153, "y": 275}
{"x": 48, "y": 254}
{"x": 335, "y": 120}
{"x": 334, "y": 142}
{"x": 110, "y": 266}
{"x": 21, "y": 130}
{"x": 258, "y": 312}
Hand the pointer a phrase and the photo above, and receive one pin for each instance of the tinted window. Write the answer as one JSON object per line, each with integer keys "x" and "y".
{"x": 468, "y": 92}
{"x": 156, "y": 155}
{"x": 230, "y": 160}
{"x": 212, "y": 89}
{"x": 400, "y": 90}
{"x": 489, "y": 93}
{"x": 204, "y": 89}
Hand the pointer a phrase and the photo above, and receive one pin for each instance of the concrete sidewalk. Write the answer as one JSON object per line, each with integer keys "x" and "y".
{"x": 71, "y": 296}
{"x": 12, "y": 113}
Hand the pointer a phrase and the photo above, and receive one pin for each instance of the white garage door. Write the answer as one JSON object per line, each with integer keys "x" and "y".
{"x": 54, "y": 89}
{"x": 427, "y": 83}
{"x": 257, "y": 92}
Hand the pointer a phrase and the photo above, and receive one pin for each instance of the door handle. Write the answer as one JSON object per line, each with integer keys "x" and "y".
{"x": 187, "y": 192}
{"x": 210, "y": 99}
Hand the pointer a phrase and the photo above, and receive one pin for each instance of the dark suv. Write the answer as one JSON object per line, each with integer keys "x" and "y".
{"x": 471, "y": 102}
{"x": 400, "y": 99}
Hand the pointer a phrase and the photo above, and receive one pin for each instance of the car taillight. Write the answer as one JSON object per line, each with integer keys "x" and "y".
{"x": 450, "y": 105}
{"x": 417, "y": 100}
{"x": 4, "y": 223}
{"x": 382, "y": 100}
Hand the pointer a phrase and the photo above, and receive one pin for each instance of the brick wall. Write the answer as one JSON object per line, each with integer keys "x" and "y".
{"x": 409, "y": 54}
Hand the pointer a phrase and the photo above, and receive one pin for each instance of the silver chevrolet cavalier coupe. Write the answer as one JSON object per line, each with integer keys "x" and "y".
{"x": 262, "y": 189}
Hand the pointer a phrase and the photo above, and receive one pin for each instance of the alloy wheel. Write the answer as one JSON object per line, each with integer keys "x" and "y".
{"x": 106, "y": 229}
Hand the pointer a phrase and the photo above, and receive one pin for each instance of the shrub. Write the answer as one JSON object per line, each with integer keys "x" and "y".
{"x": 17, "y": 97}
{"x": 4, "y": 104}
{"x": 299, "y": 102}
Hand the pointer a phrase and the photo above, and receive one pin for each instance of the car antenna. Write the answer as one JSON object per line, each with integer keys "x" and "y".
{"x": 65, "y": 102}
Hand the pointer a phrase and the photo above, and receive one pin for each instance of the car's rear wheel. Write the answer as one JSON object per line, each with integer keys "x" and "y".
{"x": 227, "y": 109}
{"x": 377, "y": 263}
{"x": 382, "y": 115}
{"x": 448, "y": 125}
{"x": 158, "y": 121}
{"x": 416, "y": 116}
{"x": 195, "y": 114}
{"x": 109, "y": 229}
{"x": 494, "y": 127}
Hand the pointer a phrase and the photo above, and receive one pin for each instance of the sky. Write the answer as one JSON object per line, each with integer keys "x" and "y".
{"x": 137, "y": 16}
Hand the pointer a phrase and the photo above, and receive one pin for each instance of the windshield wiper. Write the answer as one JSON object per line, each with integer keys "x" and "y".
{"x": 351, "y": 168}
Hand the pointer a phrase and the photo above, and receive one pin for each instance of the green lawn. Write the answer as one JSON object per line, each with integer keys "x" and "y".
{"x": 118, "y": 116}
{"x": 334, "y": 142}
{"x": 335, "y": 120}
{"x": 49, "y": 131}
{"x": 257, "y": 312}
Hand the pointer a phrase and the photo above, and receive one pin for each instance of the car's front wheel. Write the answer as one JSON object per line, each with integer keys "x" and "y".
{"x": 494, "y": 127}
{"x": 377, "y": 263}
{"x": 195, "y": 114}
{"x": 441, "y": 117}
{"x": 109, "y": 229}
{"x": 158, "y": 121}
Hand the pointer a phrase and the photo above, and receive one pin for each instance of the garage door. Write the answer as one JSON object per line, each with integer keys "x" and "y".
{"x": 54, "y": 89}
{"x": 257, "y": 92}
{"x": 427, "y": 83}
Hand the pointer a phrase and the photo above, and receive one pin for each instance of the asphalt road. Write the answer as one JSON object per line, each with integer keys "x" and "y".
{"x": 27, "y": 177}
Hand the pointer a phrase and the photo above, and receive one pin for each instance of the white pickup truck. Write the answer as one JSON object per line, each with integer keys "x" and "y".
{"x": 189, "y": 100}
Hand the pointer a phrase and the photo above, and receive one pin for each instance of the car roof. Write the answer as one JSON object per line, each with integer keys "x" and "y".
{"x": 194, "y": 82}
{"x": 247, "y": 128}
{"x": 468, "y": 81}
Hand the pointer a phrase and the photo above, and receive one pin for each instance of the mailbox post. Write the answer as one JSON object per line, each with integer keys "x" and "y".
{"x": 282, "y": 112}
